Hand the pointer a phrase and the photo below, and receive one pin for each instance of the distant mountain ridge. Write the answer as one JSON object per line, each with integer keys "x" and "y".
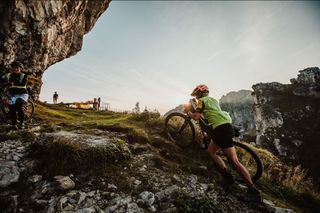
{"x": 240, "y": 107}
{"x": 240, "y": 96}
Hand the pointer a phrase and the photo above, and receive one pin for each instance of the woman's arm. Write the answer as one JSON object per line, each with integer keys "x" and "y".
{"x": 195, "y": 115}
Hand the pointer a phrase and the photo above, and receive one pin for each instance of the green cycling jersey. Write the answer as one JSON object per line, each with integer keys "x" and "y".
{"x": 211, "y": 110}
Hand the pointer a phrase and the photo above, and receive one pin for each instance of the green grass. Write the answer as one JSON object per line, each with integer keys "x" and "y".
{"x": 57, "y": 114}
{"x": 71, "y": 119}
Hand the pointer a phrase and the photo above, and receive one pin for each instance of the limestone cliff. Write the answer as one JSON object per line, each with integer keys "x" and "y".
{"x": 40, "y": 33}
{"x": 240, "y": 105}
{"x": 288, "y": 118}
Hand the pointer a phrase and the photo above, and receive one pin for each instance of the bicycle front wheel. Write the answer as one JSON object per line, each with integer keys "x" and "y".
{"x": 180, "y": 129}
{"x": 249, "y": 159}
{"x": 28, "y": 110}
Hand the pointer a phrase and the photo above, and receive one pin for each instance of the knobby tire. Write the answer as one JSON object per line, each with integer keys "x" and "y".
{"x": 186, "y": 123}
{"x": 256, "y": 175}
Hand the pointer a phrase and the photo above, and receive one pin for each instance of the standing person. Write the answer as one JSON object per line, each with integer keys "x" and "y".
{"x": 222, "y": 134}
{"x": 95, "y": 104}
{"x": 55, "y": 98}
{"x": 18, "y": 94}
{"x": 99, "y": 103}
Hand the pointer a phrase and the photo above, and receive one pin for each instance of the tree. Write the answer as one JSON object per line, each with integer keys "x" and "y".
{"x": 136, "y": 109}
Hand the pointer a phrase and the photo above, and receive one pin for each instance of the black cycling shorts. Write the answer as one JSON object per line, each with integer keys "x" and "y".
{"x": 222, "y": 135}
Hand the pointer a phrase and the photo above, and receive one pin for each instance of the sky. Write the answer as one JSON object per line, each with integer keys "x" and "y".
{"x": 156, "y": 52}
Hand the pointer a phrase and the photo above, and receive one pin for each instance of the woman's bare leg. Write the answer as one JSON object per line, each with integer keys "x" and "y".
{"x": 212, "y": 150}
{"x": 232, "y": 156}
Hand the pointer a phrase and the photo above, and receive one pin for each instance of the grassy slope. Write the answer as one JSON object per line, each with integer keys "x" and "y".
{"x": 276, "y": 188}
{"x": 70, "y": 119}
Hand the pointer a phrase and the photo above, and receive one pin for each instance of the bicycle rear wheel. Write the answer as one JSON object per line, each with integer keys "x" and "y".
{"x": 248, "y": 159}
{"x": 28, "y": 110}
{"x": 180, "y": 129}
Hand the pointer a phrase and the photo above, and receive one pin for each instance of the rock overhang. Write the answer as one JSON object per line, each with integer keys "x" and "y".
{"x": 42, "y": 33}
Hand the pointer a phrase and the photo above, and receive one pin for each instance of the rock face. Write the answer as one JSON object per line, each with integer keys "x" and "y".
{"x": 240, "y": 106}
{"x": 40, "y": 33}
{"x": 288, "y": 118}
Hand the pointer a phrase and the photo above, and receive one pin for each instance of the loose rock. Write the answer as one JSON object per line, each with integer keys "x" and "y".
{"x": 64, "y": 182}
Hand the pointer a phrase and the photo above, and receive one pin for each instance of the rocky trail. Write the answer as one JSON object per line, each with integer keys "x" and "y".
{"x": 157, "y": 177}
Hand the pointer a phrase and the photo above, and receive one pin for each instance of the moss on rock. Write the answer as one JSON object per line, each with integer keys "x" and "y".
{"x": 62, "y": 156}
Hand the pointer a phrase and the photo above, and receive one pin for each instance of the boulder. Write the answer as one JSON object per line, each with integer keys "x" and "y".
{"x": 9, "y": 173}
{"x": 147, "y": 198}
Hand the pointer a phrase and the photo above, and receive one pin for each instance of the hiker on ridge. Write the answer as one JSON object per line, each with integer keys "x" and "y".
{"x": 55, "y": 98}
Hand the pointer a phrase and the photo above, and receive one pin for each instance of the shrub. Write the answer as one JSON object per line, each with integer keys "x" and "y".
{"x": 145, "y": 116}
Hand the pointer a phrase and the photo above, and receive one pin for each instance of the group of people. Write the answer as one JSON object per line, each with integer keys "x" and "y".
{"x": 222, "y": 130}
{"x": 97, "y": 103}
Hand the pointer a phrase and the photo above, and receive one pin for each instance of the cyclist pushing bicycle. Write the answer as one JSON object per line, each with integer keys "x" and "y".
{"x": 222, "y": 135}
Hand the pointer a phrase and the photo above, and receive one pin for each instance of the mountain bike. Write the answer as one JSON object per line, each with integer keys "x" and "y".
{"x": 28, "y": 108}
{"x": 181, "y": 130}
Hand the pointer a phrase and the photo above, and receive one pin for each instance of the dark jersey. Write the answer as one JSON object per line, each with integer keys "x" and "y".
{"x": 18, "y": 83}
